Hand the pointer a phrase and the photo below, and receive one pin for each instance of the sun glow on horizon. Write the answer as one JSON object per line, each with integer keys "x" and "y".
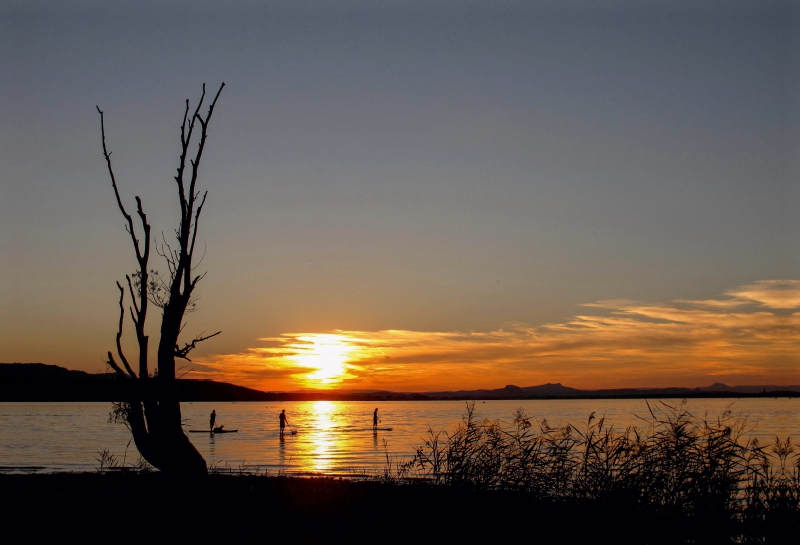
{"x": 748, "y": 335}
{"x": 326, "y": 353}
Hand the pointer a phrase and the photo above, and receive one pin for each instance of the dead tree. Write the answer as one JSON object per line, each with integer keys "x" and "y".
{"x": 151, "y": 408}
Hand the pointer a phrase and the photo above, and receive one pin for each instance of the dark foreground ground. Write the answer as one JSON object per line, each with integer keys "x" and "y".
{"x": 129, "y": 507}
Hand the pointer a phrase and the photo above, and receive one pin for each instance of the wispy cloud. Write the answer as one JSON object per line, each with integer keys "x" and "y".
{"x": 771, "y": 293}
{"x": 737, "y": 338}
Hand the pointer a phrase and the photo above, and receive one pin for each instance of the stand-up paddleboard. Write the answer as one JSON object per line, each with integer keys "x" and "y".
{"x": 216, "y": 431}
{"x": 355, "y": 430}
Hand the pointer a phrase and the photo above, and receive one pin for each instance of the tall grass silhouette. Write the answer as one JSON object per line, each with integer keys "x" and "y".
{"x": 674, "y": 465}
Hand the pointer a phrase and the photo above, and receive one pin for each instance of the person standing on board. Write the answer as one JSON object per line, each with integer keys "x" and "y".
{"x": 375, "y": 420}
{"x": 283, "y": 420}
{"x": 212, "y": 420}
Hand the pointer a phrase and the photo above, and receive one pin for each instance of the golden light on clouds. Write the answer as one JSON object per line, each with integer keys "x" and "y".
{"x": 770, "y": 293}
{"x": 750, "y": 335}
{"x": 326, "y": 355}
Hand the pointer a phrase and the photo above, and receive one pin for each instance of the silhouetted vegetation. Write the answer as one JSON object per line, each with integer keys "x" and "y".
{"x": 701, "y": 476}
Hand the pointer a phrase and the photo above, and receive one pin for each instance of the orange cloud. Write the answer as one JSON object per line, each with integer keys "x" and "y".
{"x": 771, "y": 293}
{"x": 737, "y": 339}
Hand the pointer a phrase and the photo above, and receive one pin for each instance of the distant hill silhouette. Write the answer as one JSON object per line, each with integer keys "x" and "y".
{"x": 511, "y": 391}
{"x": 40, "y": 382}
{"x": 557, "y": 391}
{"x": 38, "y": 371}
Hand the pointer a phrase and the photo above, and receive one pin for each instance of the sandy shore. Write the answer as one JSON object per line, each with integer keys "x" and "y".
{"x": 132, "y": 507}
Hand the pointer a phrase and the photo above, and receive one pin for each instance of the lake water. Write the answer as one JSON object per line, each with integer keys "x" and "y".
{"x": 334, "y": 438}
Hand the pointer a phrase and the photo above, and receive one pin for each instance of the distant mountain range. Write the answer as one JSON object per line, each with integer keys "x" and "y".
{"x": 559, "y": 391}
{"x": 40, "y": 382}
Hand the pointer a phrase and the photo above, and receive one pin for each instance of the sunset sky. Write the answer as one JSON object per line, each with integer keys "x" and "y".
{"x": 416, "y": 195}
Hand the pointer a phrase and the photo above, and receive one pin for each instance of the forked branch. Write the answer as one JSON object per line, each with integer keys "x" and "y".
{"x": 140, "y": 256}
{"x": 119, "y": 332}
{"x": 142, "y": 249}
{"x": 187, "y": 233}
{"x": 188, "y": 347}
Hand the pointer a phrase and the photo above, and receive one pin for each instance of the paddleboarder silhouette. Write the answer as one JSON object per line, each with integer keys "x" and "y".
{"x": 283, "y": 420}
{"x": 212, "y": 420}
{"x": 375, "y": 420}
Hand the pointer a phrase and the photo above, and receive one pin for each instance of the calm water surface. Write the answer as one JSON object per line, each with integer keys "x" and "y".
{"x": 334, "y": 438}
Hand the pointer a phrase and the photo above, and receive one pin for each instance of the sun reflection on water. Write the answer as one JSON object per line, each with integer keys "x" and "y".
{"x": 322, "y": 438}
{"x": 324, "y": 411}
{"x": 332, "y": 435}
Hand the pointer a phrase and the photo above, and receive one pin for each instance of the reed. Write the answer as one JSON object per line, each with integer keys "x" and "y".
{"x": 674, "y": 465}
{"x": 108, "y": 461}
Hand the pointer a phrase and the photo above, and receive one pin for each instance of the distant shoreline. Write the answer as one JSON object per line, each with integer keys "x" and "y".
{"x": 189, "y": 391}
{"x": 35, "y": 382}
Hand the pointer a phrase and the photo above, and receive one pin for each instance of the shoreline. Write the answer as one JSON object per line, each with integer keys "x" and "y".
{"x": 37, "y": 382}
{"x": 67, "y": 397}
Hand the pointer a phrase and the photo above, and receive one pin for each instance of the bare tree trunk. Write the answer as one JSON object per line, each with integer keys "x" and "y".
{"x": 151, "y": 409}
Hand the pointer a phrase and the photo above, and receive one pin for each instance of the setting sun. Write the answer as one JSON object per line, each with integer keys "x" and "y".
{"x": 326, "y": 354}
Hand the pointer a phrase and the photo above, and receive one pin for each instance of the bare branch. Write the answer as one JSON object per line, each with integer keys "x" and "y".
{"x": 182, "y": 164}
{"x": 196, "y": 221}
{"x": 185, "y": 263}
{"x": 114, "y": 365}
{"x": 188, "y": 347}
{"x": 127, "y": 216}
{"x": 186, "y": 138}
{"x": 133, "y": 296}
{"x": 202, "y": 257}
{"x": 203, "y": 135}
{"x": 197, "y": 279}
{"x": 146, "y": 227}
{"x": 119, "y": 332}
{"x": 142, "y": 256}
{"x": 169, "y": 255}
